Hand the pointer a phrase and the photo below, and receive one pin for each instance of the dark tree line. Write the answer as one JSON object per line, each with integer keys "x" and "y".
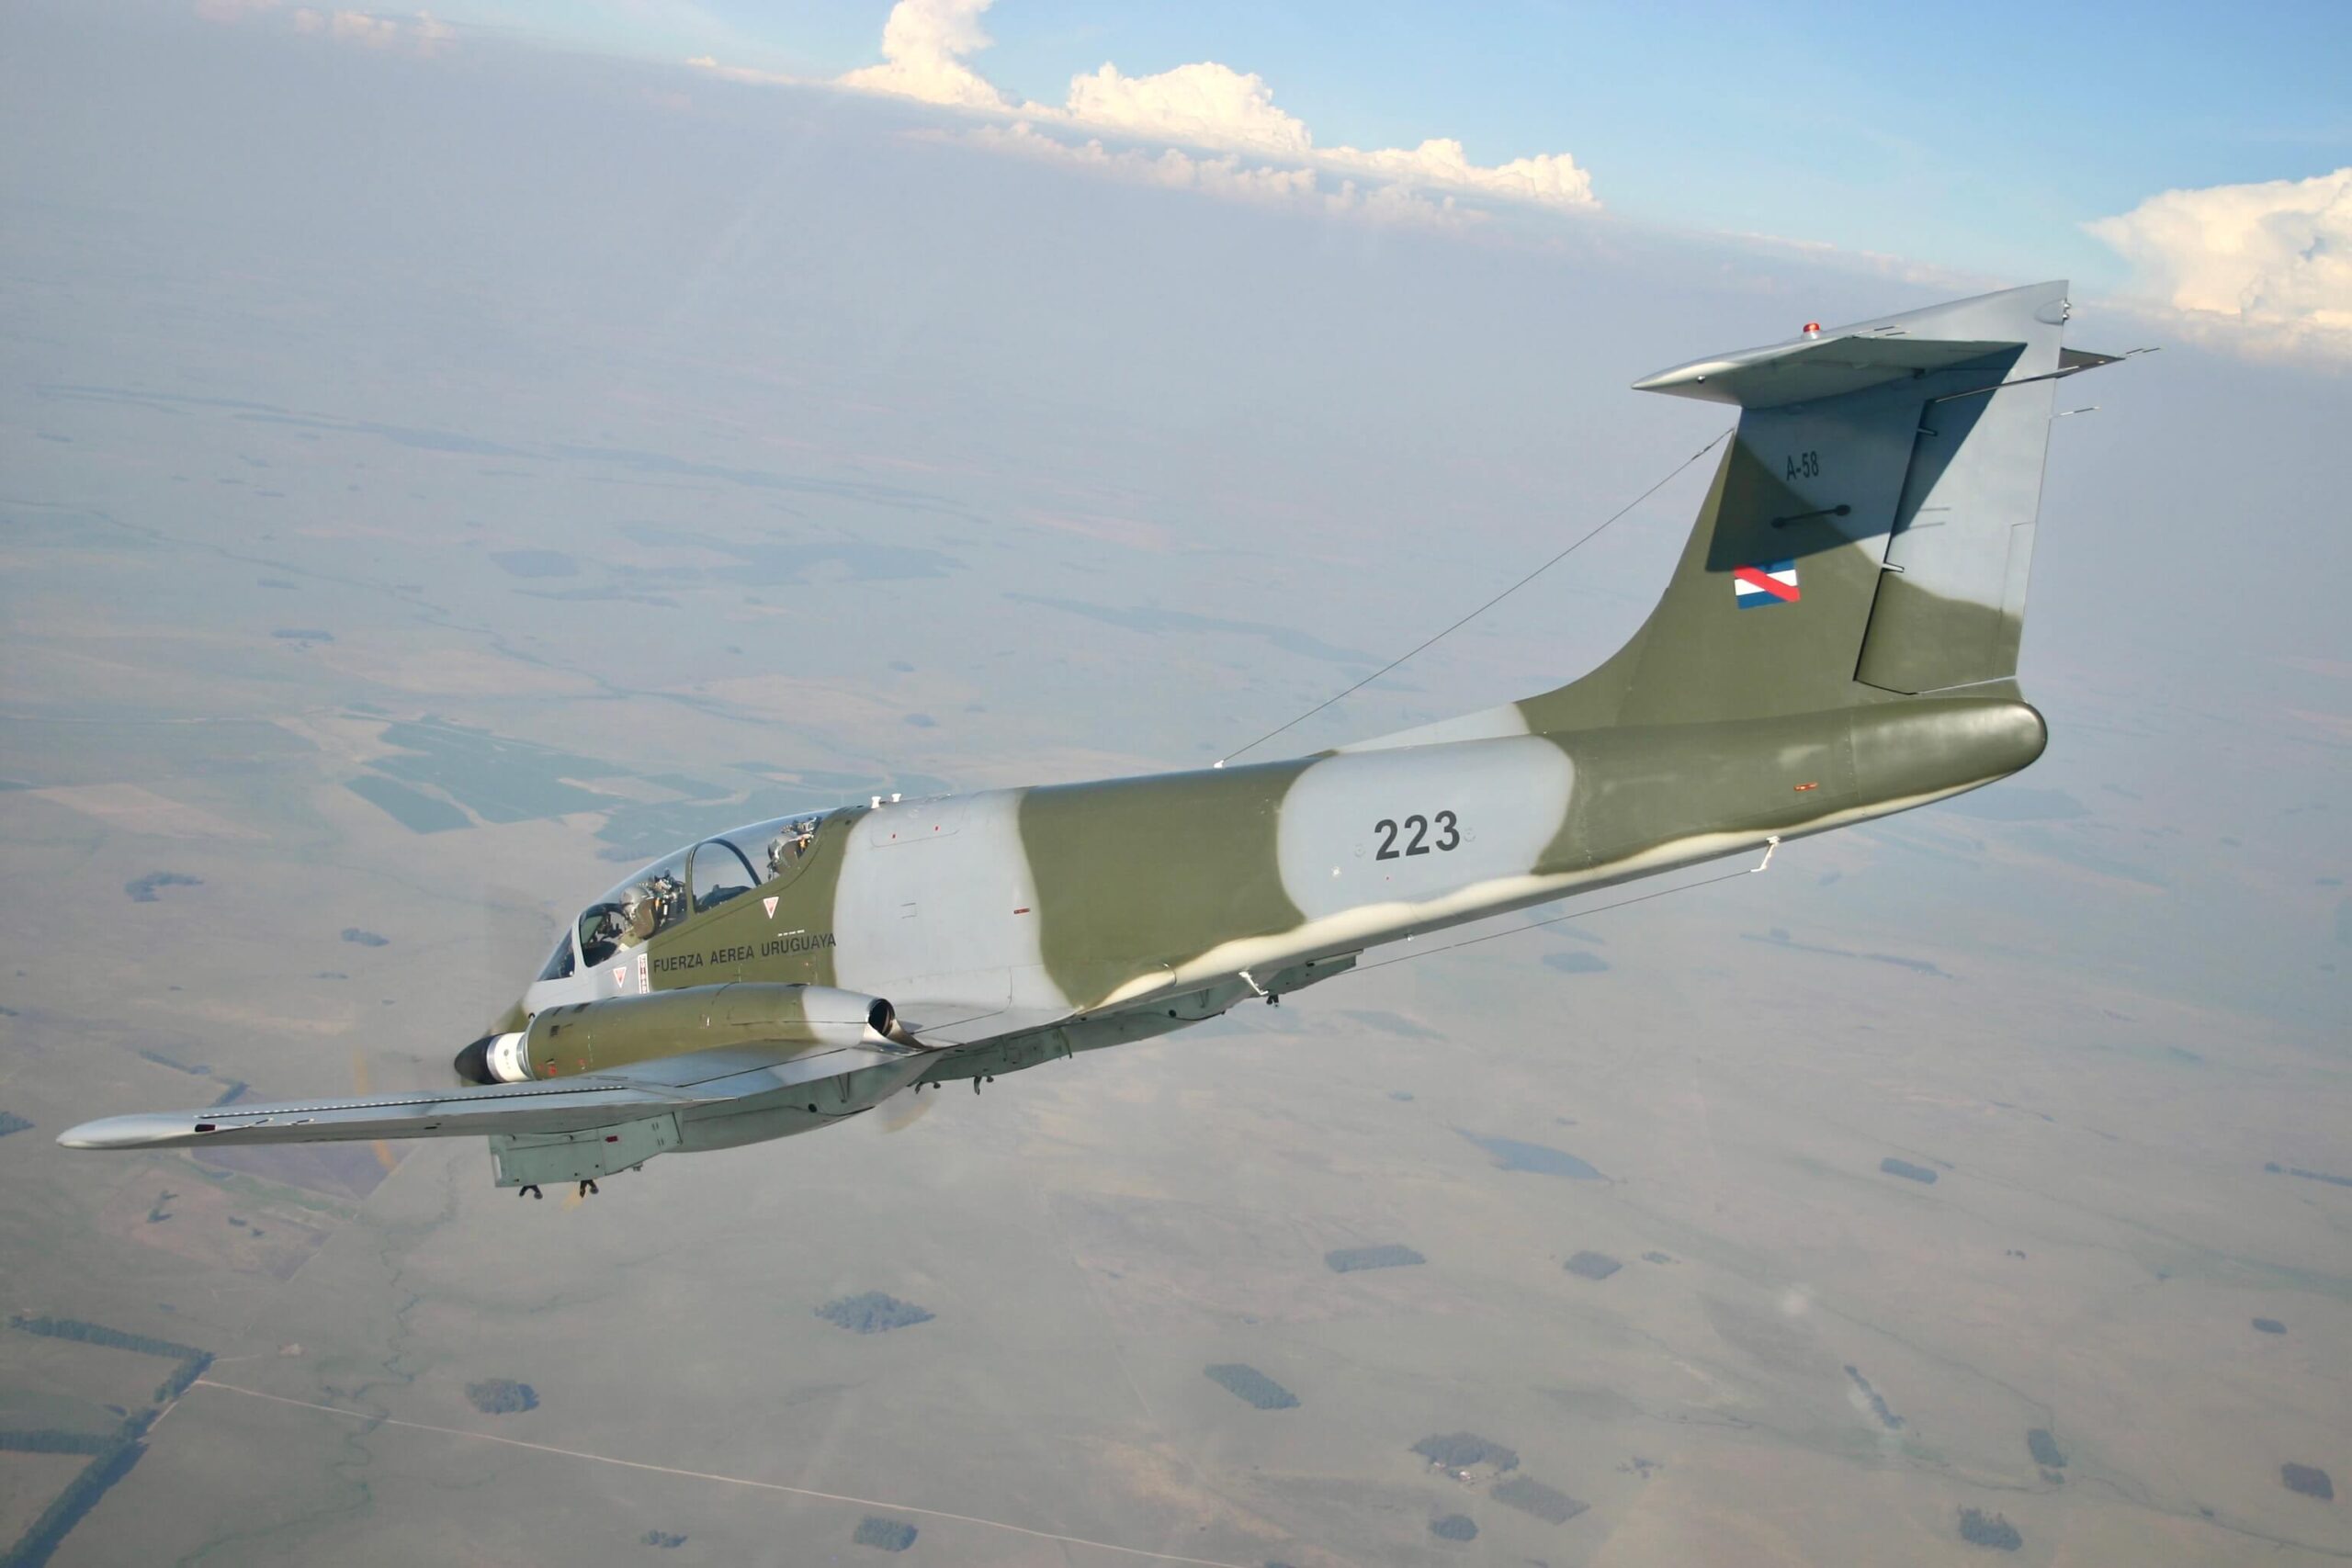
{"x": 111, "y": 1454}
{"x": 99, "y": 1334}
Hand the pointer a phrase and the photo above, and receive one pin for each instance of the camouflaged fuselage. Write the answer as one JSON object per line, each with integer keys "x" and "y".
{"x": 1182, "y": 893}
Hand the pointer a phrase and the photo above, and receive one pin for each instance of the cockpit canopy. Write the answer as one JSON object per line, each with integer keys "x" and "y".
{"x": 699, "y": 878}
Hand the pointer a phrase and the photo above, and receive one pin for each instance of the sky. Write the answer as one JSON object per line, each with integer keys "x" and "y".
{"x": 2198, "y": 167}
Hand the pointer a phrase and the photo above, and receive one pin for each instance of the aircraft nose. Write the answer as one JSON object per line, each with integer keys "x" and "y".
{"x": 473, "y": 1062}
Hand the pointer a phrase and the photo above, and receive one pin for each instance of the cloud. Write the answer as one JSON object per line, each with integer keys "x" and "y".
{"x": 358, "y": 27}
{"x": 2267, "y": 264}
{"x": 422, "y": 34}
{"x": 1210, "y": 105}
{"x": 926, "y": 45}
{"x": 1207, "y": 105}
{"x": 744, "y": 72}
{"x": 1226, "y": 175}
{"x": 1548, "y": 180}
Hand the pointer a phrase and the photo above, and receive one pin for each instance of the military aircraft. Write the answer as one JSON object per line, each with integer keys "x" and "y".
{"x": 1839, "y": 642}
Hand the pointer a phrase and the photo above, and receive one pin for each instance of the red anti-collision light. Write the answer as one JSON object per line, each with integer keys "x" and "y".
{"x": 1813, "y": 329}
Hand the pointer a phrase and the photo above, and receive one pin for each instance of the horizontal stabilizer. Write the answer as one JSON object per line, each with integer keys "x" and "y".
{"x": 1807, "y": 369}
{"x": 1819, "y": 364}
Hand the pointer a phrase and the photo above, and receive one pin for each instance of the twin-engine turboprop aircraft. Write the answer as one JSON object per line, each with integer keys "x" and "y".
{"x": 1839, "y": 642}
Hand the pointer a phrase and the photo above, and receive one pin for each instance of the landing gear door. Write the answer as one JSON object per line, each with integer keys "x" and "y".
{"x": 526, "y": 1159}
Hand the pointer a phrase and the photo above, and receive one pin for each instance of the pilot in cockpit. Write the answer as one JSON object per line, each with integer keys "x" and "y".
{"x": 600, "y": 933}
{"x": 786, "y": 850}
{"x": 649, "y": 906}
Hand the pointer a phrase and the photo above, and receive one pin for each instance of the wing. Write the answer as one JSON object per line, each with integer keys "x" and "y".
{"x": 695, "y": 1081}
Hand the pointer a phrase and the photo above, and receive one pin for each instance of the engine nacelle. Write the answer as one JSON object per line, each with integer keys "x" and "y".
{"x": 587, "y": 1037}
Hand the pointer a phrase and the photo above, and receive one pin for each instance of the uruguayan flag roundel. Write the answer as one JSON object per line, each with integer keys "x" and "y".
{"x": 1768, "y": 583}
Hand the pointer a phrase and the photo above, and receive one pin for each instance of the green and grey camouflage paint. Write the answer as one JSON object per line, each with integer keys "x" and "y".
{"x": 1838, "y": 642}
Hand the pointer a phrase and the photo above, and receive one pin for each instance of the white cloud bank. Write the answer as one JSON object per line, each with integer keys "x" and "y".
{"x": 2267, "y": 263}
{"x": 2264, "y": 268}
{"x": 1263, "y": 154}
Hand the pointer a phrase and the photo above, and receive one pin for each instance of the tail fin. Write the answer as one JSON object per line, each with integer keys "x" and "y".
{"x": 1867, "y": 534}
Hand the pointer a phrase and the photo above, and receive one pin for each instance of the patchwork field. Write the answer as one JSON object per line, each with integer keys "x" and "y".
{"x": 375, "y": 596}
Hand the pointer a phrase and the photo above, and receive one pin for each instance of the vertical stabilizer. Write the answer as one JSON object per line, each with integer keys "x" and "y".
{"x": 1867, "y": 532}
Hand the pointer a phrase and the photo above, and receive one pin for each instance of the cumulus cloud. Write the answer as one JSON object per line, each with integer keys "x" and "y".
{"x": 1226, "y": 175}
{"x": 1264, "y": 152}
{"x": 1209, "y": 105}
{"x": 924, "y": 45}
{"x": 1205, "y": 105}
{"x": 1548, "y": 180}
{"x": 2269, "y": 263}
